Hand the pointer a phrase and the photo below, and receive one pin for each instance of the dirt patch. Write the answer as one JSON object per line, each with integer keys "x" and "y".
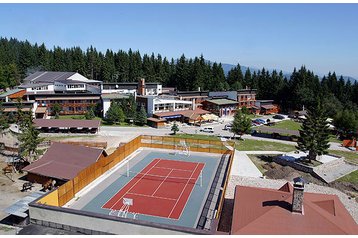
{"x": 226, "y": 216}
{"x": 277, "y": 171}
{"x": 11, "y": 190}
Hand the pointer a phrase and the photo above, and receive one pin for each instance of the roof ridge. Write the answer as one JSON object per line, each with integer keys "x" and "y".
{"x": 314, "y": 207}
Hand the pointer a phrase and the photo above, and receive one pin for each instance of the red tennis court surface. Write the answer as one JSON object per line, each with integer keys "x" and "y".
{"x": 161, "y": 189}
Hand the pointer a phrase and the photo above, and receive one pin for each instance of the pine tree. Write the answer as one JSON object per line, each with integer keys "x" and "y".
{"x": 314, "y": 134}
{"x": 175, "y": 128}
{"x": 4, "y": 125}
{"x": 56, "y": 109}
{"x": 29, "y": 139}
{"x": 141, "y": 117}
{"x": 241, "y": 124}
{"x": 89, "y": 115}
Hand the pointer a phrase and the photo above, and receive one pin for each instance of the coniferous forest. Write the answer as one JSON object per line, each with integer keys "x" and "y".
{"x": 21, "y": 58}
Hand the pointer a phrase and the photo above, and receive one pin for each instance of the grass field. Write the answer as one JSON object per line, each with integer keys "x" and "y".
{"x": 77, "y": 117}
{"x": 103, "y": 123}
{"x": 333, "y": 138}
{"x": 288, "y": 125}
{"x": 253, "y": 116}
{"x": 350, "y": 156}
{"x": 251, "y": 145}
{"x": 352, "y": 177}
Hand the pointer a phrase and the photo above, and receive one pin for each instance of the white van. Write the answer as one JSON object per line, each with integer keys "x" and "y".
{"x": 207, "y": 129}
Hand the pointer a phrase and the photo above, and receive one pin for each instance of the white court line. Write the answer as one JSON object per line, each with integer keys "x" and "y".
{"x": 134, "y": 184}
{"x": 175, "y": 169}
{"x": 183, "y": 190}
{"x": 144, "y": 195}
{"x": 162, "y": 182}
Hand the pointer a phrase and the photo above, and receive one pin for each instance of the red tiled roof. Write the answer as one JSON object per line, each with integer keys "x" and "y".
{"x": 259, "y": 211}
{"x": 67, "y": 123}
{"x": 268, "y": 106}
{"x": 156, "y": 119}
{"x": 64, "y": 161}
{"x": 185, "y": 112}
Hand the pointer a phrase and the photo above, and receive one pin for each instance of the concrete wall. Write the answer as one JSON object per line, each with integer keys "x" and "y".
{"x": 91, "y": 224}
{"x": 294, "y": 165}
{"x": 106, "y": 105}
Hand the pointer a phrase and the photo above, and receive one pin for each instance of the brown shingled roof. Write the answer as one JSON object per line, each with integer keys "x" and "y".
{"x": 260, "y": 211}
{"x": 66, "y": 123}
{"x": 64, "y": 161}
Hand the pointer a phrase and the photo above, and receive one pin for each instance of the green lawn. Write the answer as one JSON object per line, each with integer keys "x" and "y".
{"x": 349, "y": 156}
{"x": 352, "y": 177}
{"x": 253, "y": 116}
{"x": 77, "y": 117}
{"x": 197, "y": 136}
{"x": 333, "y": 138}
{"x": 288, "y": 125}
{"x": 251, "y": 145}
{"x": 103, "y": 123}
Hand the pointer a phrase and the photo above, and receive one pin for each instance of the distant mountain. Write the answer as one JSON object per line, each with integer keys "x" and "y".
{"x": 228, "y": 67}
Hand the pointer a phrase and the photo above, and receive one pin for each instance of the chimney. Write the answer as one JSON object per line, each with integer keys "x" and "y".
{"x": 141, "y": 88}
{"x": 297, "y": 198}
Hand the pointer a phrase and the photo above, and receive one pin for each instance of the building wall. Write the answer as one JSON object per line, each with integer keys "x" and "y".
{"x": 59, "y": 86}
{"x": 106, "y": 104}
{"x": 89, "y": 223}
{"x": 46, "y": 88}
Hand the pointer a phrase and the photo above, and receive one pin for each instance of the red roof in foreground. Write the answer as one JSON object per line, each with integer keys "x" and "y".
{"x": 261, "y": 211}
{"x": 64, "y": 161}
{"x": 67, "y": 123}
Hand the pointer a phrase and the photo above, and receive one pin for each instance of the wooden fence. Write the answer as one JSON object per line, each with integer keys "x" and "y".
{"x": 68, "y": 190}
{"x": 196, "y": 145}
{"x": 222, "y": 197}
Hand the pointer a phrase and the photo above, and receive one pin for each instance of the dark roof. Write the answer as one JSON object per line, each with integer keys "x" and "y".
{"x": 192, "y": 93}
{"x": 259, "y": 211}
{"x": 66, "y": 123}
{"x": 48, "y": 76}
{"x": 246, "y": 91}
{"x": 64, "y": 161}
{"x": 222, "y": 101}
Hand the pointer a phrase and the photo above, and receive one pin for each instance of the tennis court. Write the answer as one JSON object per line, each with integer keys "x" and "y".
{"x": 155, "y": 185}
{"x": 161, "y": 189}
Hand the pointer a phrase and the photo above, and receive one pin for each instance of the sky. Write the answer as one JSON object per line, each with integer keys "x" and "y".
{"x": 323, "y": 37}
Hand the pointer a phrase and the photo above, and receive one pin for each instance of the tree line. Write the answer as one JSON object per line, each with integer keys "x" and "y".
{"x": 339, "y": 97}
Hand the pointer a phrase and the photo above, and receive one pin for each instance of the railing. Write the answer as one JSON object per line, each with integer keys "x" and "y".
{"x": 222, "y": 197}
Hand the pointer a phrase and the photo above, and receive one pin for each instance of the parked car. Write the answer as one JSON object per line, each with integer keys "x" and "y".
{"x": 228, "y": 127}
{"x": 278, "y": 116}
{"x": 207, "y": 129}
{"x": 256, "y": 123}
{"x": 259, "y": 120}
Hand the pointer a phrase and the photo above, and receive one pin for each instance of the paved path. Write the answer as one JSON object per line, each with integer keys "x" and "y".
{"x": 243, "y": 166}
{"x": 334, "y": 170}
{"x": 132, "y": 132}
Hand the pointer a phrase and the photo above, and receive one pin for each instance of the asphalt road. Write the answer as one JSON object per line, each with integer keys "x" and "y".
{"x": 130, "y": 133}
